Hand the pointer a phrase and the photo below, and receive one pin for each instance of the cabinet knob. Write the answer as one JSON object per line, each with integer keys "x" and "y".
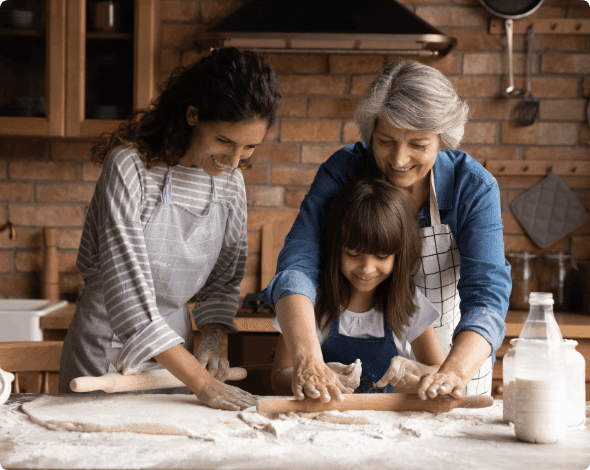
{"x": 499, "y": 390}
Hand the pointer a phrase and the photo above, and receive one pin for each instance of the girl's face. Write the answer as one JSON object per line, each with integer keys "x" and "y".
{"x": 365, "y": 272}
{"x": 218, "y": 145}
{"x": 404, "y": 156}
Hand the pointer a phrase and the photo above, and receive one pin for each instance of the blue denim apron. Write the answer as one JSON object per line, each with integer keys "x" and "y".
{"x": 375, "y": 355}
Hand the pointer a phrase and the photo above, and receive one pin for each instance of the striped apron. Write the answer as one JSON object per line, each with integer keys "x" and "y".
{"x": 182, "y": 248}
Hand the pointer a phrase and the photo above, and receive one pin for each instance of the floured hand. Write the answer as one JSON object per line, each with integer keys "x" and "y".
{"x": 350, "y": 375}
{"x": 316, "y": 380}
{"x": 216, "y": 394}
{"x": 441, "y": 383}
{"x": 405, "y": 373}
{"x": 208, "y": 352}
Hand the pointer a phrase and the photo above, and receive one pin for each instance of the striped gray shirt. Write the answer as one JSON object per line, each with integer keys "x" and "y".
{"x": 113, "y": 248}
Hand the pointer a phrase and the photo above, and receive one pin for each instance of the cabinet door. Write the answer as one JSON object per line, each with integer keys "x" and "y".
{"x": 32, "y": 67}
{"x": 111, "y": 49}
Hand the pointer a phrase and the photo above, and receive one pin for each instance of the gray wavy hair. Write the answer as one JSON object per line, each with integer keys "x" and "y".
{"x": 411, "y": 95}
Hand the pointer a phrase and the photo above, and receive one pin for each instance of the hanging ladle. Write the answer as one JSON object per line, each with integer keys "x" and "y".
{"x": 511, "y": 91}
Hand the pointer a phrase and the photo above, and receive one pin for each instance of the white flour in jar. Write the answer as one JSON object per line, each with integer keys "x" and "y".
{"x": 539, "y": 410}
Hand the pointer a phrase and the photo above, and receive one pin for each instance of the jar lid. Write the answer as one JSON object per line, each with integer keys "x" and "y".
{"x": 541, "y": 298}
{"x": 522, "y": 254}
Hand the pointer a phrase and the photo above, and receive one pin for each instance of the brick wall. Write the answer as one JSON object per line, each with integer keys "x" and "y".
{"x": 50, "y": 182}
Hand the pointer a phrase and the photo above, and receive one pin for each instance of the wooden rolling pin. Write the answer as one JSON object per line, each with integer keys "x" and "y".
{"x": 147, "y": 380}
{"x": 377, "y": 402}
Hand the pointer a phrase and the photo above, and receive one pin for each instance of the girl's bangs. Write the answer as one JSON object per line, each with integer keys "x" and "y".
{"x": 371, "y": 230}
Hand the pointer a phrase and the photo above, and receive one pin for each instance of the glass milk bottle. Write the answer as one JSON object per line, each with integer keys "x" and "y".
{"x": 540, "y": 386}
{"x": 575, "y": 384}
{"x": 508, "y": 381}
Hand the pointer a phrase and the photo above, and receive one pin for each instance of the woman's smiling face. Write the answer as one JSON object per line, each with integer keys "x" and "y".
{"x": 218, "y": 145}
{"x": 404, "y": 156}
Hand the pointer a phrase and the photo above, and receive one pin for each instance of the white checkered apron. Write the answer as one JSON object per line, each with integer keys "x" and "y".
{"x": 437, "y": 279}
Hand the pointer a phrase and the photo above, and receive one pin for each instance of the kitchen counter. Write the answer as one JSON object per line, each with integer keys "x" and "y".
{"x": 573, "y": 325}
{"x": 56, "y": 324}
{"x": 252, "y": 349}
{"x": 460, "y": 439}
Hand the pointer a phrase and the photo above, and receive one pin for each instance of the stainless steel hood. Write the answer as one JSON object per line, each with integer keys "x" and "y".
{"x": 343, "y": 26}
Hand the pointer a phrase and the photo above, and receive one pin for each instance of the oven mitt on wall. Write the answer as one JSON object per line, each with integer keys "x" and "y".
{"x": 549, "y": 211}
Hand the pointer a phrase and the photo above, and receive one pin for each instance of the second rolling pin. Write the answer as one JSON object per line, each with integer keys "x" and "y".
{"x": 147, "y": 380}
{"x": 377, "y": 402}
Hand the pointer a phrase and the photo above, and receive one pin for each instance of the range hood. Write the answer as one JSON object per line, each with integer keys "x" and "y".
{"x": 343, "y": 26}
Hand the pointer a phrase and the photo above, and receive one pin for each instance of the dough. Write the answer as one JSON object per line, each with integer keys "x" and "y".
{"x": 181, "y": 415}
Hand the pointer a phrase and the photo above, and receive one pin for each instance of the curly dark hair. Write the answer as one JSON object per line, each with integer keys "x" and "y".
{"x": 228, "y": 85}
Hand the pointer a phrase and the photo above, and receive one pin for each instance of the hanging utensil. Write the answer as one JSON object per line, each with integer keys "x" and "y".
{"x": 511, "y": 10}
{"x": 530, "y": 105}
{"x": 511, "y": 91}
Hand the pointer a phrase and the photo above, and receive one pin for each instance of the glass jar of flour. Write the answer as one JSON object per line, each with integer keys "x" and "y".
{"x": 540, "y": 376}
{"x": 575, "y": 384}
{"x": 508, "y": 379}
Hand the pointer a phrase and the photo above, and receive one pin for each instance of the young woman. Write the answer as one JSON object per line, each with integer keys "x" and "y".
{"x": 368, "y": 307}
{"x": 168, "y": 220}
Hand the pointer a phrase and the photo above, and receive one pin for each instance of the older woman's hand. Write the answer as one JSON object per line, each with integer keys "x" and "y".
{"x": 405, "y": 372}
{"x": 441, "y": 383}
{"x": 316, "y": 380}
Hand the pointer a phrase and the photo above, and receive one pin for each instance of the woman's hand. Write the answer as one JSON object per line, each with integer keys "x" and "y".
{"x": 208, "y": 352}
{"x": 316, "y": 380}
{"x": 405, "y": 373}
{"x": 350, "y": 375}
{"x": 441, "y": 383}
{"x": 216, "y": 394}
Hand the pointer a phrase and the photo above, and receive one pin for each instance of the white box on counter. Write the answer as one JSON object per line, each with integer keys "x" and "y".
{"x": 20, "y": 318}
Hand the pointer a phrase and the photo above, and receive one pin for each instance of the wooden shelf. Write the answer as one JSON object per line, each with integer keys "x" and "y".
{"x": 543, "y": 26}
{"x": 109, "y": 36}
{"x": 537, "y": 168}
{"x": 22, "y": 32}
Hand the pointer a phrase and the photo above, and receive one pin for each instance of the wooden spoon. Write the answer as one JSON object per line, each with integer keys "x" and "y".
{"x": 377, "y": 402}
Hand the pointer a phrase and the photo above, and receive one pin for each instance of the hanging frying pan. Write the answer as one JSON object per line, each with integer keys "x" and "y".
{"x": 511, "y": 10}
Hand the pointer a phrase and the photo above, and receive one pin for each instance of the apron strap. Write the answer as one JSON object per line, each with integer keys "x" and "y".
{"x": 214, "y": 189}
{"x": 434, "y": 213}
{"x": 167, "y": 191}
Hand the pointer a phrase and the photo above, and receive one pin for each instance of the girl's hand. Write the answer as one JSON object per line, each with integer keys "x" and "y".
{"x": 208, "y": 352}
{"x": 350, "y": 375}
{"x": 216, "y": 394}
{"x": 441, "y": 383}
{"x": 405, "y": 373}
{"x": 316, "y": 380}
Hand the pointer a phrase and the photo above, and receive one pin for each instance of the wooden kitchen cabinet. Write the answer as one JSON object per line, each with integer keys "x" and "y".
{"x": 90, "y": 80}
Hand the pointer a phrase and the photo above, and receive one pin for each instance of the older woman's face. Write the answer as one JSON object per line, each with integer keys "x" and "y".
{"x": 404, "y": 156}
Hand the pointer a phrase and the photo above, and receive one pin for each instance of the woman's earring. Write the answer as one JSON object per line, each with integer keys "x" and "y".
{"x": 192, "y": 115}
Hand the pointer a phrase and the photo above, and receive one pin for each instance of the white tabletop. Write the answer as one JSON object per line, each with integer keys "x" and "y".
{"x": 461, "y": 439}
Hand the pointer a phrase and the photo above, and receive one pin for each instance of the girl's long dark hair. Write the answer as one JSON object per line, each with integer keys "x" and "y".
{"x": 371, "y": 216}
{"x": 229, "y": 85}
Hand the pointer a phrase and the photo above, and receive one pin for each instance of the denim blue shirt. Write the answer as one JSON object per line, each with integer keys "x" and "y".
{"x": 468, "y": 198}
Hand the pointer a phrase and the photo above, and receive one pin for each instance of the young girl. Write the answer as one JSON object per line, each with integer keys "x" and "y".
{"x": 368, "y": 307}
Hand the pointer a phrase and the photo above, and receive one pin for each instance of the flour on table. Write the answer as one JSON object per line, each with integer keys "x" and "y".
{"x": 181, "y": 415}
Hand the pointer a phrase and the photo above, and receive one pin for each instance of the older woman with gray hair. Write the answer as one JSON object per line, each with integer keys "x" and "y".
{"x": 411, "y": 121}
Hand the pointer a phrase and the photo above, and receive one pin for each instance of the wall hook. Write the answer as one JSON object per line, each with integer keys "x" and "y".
{"x": 10, "y": 226}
